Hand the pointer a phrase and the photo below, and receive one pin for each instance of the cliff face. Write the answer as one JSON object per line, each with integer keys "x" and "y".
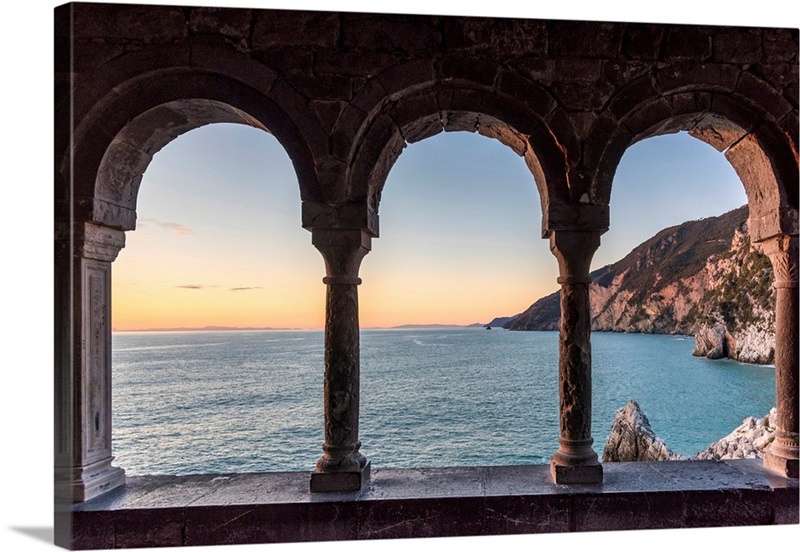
{"x": 699, "y": 278}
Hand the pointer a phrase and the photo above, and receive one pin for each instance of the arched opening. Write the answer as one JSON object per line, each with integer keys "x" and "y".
{"x": 754, "y": 127}
{"x": 460, "y": 246}
{"x": 676, "y": 262}
{"x": 112, "y": 156}
{"x": 218, "y": 259}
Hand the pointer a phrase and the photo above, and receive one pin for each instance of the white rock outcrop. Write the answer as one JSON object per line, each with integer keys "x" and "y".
{"x": 749, "y": 440}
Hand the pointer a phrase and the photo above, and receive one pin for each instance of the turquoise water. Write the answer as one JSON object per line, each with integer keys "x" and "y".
{"x": 208, "y": 402}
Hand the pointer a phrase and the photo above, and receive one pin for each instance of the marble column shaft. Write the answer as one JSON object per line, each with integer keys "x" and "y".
{"x": 575, "y": 461}
{"x": 782, "y": 457}
{"x": 343, "y": 251}
{"x": 83, "y": 456}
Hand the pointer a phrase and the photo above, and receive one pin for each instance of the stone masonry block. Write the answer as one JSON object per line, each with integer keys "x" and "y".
{"x": 324, "y": 87}
{"x": 366, "y": 64}
{"x": 687, "y": 42}
{"x": 562, "y": 127}
{"x": 632, "y": 96}
{"x": 289, "y": 60}
{"x": 732, "y": 47}
{"x": 674, "y": 78}
{"x": 458, "y": 68}
{"x": 149, "y": 24}
{"x": 414, "y": 34}
{"x": 414, "y": 108}
{"x": 277, "y": 27}
{"x": 347, "y": 128}
{"x": 511, "y": 37}
{"x": 581, "y": 96}
{"x": 578, "y": 70}
{"x": 228, "y": 22}
{"x": 526, "y": 91}
{"x": 328, "y": 112}
{"x": 781, "y": 45}
{"x": 369, "y": 95}
{"x": 536, "y": 69}
{"x": 642, "y": 41}
{"x": 583, "y": 39}
{"x": 651, "y": 119}
{"x": 420, "y": 129}
{"x": 397, "y": 80}
{"x": 767, "y": 97}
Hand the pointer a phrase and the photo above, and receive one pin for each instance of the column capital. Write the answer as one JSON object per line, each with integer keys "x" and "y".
{"x": 99, "y": 242}
{"x": 782, "y": 252}
{"x": 574, "y": 250}
{"x": 343, "y": 250}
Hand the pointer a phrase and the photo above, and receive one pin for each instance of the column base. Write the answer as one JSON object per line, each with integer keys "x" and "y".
{"x": 331, "y": 482}
{"x": 787, "y": 467}
{"x": 575, "y": 475}
{"x": 86, "y": 482}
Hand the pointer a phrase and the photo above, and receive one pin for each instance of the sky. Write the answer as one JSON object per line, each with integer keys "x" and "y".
{"x": 219, "y": 242}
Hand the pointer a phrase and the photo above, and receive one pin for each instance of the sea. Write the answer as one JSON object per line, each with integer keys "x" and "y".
{"x": 252, "y": 401}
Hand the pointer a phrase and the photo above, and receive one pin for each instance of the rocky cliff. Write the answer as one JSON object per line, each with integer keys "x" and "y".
{"x": 633, "y": 440}
{"x": 701, "y": 278}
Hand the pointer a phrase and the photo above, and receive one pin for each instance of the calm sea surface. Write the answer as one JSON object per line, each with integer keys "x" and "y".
{"x": 211, "y": 402}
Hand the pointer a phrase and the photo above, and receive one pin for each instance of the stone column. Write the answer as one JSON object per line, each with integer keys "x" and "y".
{"x": 83, "y": 457}
{"x": 342, "y": 467}
{"x": 575, "y": 461}
{"x": 782, "y": 456}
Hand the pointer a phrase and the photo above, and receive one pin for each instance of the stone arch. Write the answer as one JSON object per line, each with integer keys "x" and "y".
{"x": 115, "y": 140}
{"x": 449, "y": 108}
{"x": 413, "y": 101}
{"x": 751, "y": 123}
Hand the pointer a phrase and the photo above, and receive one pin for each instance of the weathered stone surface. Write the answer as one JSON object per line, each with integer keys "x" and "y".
{"x": 418, "y": 34}
{"x": 687, "y": 43}
{"x": 584, "y": 39}
{"x": 232, "y": 23}
{"x": 632, "y": 439}
{"x": 509, "y": 36}
{"x": 642, "y": 41}
{"x": 575, "y": 461}
{"x": 742, "y": 46}
{"x": 274, "y": 27}
{"x": 145, "y": 23}
{"x": 327, "y": 85}
{"x": 749, "y": 440}
{"x": 343, "y": 251}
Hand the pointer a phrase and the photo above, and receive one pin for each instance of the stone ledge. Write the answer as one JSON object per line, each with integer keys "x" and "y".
{"x": 407, "y": 503}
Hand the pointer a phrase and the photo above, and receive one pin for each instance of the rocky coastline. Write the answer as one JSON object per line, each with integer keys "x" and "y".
{"x": 701, "y": 278}
{"x": 632, "y": 439}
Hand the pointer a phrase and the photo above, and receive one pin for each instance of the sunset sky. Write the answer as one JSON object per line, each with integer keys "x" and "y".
{"x": 219, "y": 240}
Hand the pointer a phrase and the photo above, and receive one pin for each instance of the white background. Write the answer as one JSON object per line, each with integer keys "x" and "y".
{"x": 26, "y": 278}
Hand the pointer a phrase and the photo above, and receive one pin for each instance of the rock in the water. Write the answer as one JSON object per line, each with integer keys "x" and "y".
{"x": 749, "y": 440}
{"x": 633, "y": 440}
{"x": 711, "y": 342}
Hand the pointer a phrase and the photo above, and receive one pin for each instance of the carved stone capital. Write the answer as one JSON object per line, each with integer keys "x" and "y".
{"x": 322, "y": 216}
{"x": 343, "y": 251}
{"x": 574, "y": 251}
{"x": 782, "y": 252}
{"x": 99, "y": 242}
